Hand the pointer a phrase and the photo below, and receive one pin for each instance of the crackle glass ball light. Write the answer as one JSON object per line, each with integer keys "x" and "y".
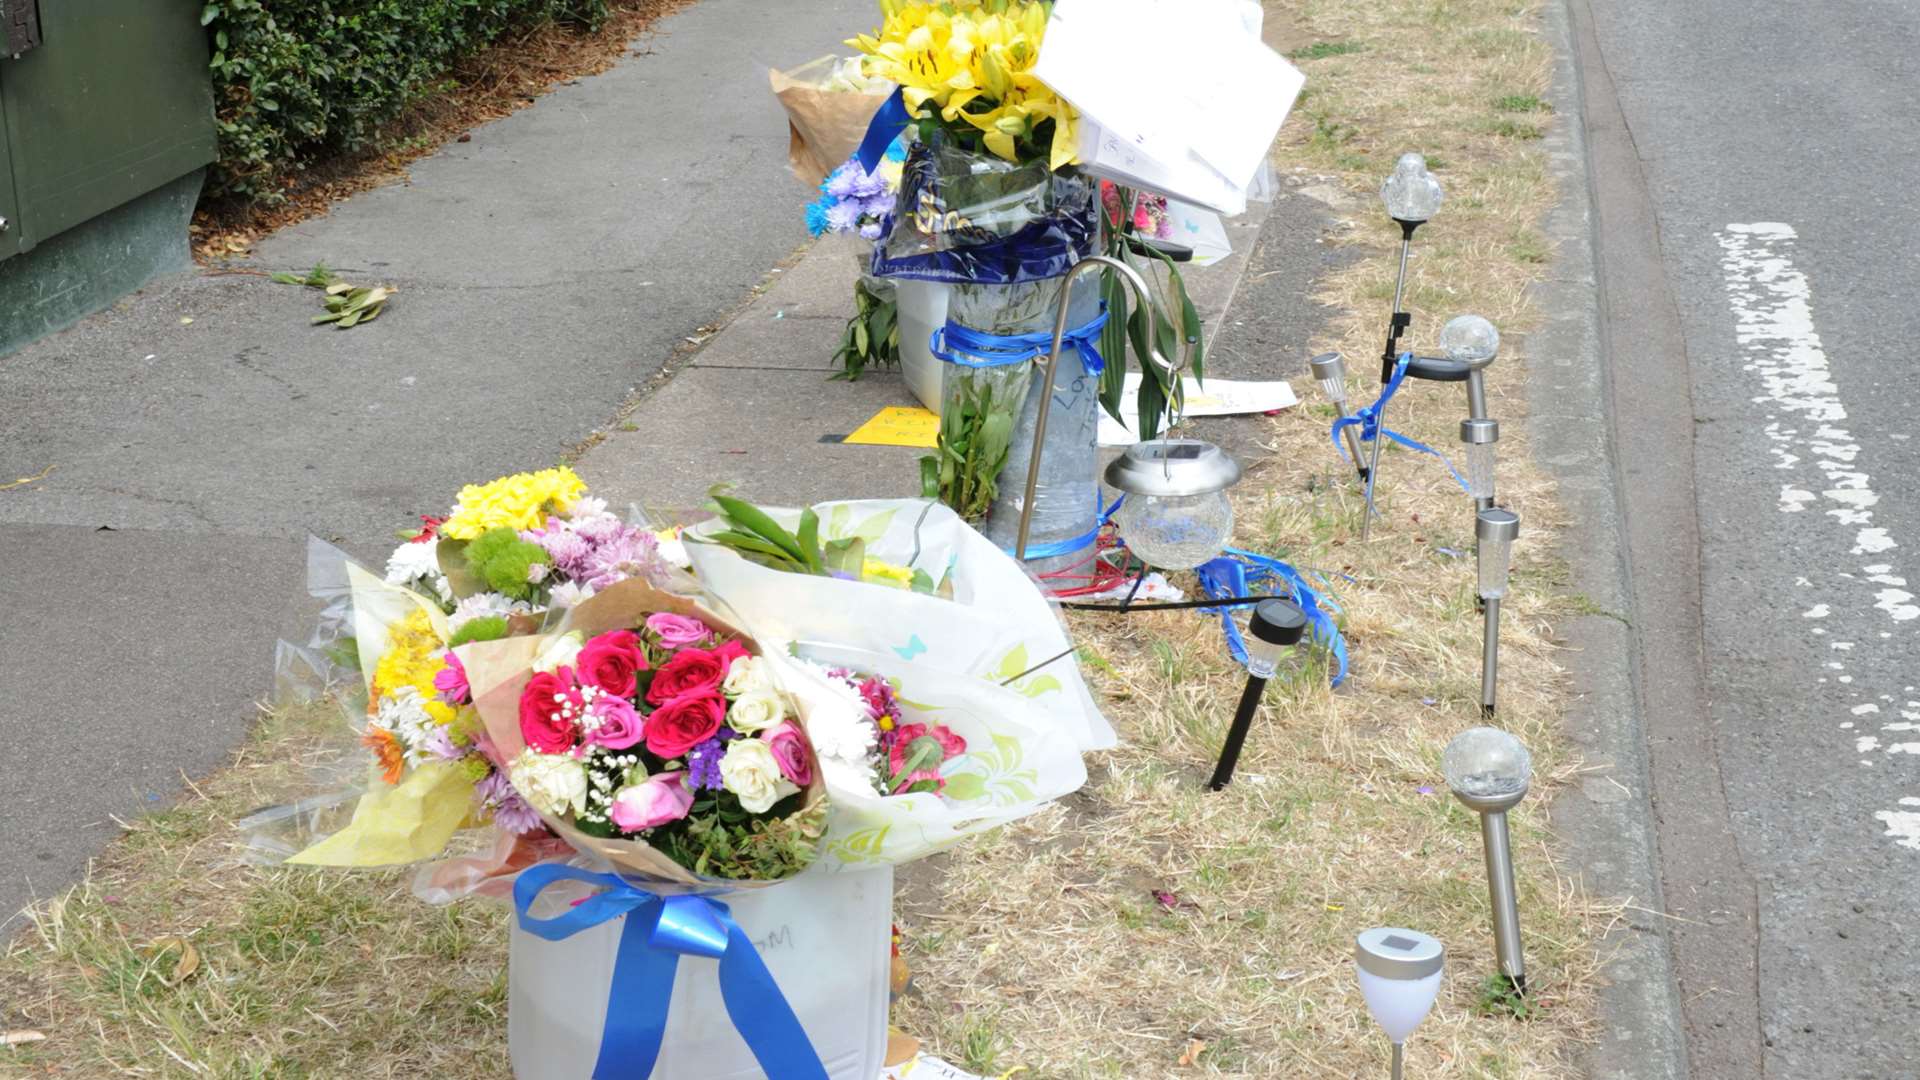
{"x": 1176, "y": 514}
{"x": 1412, "y": 194}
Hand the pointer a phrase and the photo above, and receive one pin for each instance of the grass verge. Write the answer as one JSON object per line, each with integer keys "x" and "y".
{"x": 1147, "y": 928}
{"x": 1143, "y": 927}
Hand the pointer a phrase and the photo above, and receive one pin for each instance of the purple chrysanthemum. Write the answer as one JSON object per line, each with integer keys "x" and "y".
{"x": 844, "y": 216}
{"x": 843, "y": 181}
{"x": 631, "y": 553}
{"x": 510, "y": 811}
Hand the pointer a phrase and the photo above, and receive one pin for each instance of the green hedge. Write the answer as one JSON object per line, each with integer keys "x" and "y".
{"x": 294, "y": 80}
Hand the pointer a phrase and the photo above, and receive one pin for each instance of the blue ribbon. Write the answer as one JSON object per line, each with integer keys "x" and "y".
{"x": 1370, "y": 429}
{"x": 658, "y": 931}
{"x": 886, "y": 126}
{"x": 957, "y": 344}
{"x": 1241, "y": 573}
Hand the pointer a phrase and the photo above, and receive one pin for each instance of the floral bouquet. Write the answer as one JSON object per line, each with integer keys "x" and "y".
{"x": 510, "y": 559}
{"x": 916, "y": 759}
{"x": 855, "y": 200}
{"x": 650, "y": 734}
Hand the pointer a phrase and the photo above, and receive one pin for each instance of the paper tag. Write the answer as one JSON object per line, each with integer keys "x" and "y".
{"x": 898, "y": 425}
{"x": 1216, "y": 397}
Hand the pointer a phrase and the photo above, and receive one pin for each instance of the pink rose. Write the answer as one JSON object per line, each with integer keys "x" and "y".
{"x": 451, "y": 681}
{"x": 677, "y": 631}
{"x": 727, "y": 652}
{"x": 616, "y": 725}
{"x": 661, "y": 798}
{"x": 685, "y": 722}
{"x": 688, "y": 671}
{"x": 789, "y": 748}
{"x": 550, "y": 711}
{"x": 611, "y": 660}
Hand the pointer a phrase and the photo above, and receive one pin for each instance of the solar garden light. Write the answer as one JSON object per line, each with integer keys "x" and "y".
{"x": 1412, "y": 196}
{"x": 1399, "y": 974}
{"x": 1488, "y": 771}
{"x": 1176, "y": 514}
{"x": 1331, "y": 371}
{"x": 1494, "y": 529}
{"x": 1275, "y": 625}
{"x": 1480, "y": 436}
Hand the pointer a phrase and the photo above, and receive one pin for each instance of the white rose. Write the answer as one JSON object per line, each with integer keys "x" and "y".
{"x": 750, "y": 772}
{"x": 554, "y": 784}
{"x": 756, "y": 710}
{"x": 560, "y": 652}
{"x": 747, "y": 674}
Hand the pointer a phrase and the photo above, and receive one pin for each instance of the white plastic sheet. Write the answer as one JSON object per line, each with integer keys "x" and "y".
{"x": 1016, "y": 761}
{"x": 997, "y": 626}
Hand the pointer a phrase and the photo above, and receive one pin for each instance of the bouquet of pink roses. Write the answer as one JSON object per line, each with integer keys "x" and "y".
{"x": 651, "y": 734}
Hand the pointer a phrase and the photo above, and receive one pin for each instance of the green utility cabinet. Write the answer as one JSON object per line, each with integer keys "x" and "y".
{"x": 111, "y": 101}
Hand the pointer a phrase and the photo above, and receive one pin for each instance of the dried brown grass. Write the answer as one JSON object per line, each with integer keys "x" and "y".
{"x": 1108, "y": 936}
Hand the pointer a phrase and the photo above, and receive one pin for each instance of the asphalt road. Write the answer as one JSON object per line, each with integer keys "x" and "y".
{"x": 198, "y": 431}
{"x": 1755, "y": 221}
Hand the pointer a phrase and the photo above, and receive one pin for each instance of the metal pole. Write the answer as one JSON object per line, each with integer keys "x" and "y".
{"x": 1237, "y": 734}
{"x": 1506, "y": 908}
{"x": 1396, "y": 321}
{"x": 1052, "y": 360}
{"x": 1476, "y": 395}
{"x": 1373, "y": 473}
{"x": 1489, "y": 658}
{"x": 1353, "y": 440}
{"x": 1399, "y": 1060}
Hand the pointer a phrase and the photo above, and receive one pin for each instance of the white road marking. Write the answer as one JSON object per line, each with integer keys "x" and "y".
{"x": 1807, "y": 436}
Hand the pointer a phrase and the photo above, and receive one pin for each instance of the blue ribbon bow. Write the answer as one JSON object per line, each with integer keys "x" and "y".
{"x": 1370, "y": 429}
{"x": 658, "y": 931}
{"x": 1242, "y": 573}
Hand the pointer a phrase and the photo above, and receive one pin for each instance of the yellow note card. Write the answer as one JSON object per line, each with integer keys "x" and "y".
{"x": 898, "y": 425}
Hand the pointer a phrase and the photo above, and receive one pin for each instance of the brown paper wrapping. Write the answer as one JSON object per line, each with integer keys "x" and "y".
{"x": 499, "y": 670}
{"x": 824, "y": 127}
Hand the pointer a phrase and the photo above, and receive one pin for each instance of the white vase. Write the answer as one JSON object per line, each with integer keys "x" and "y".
{"x": 922, "y": 309}
{"x": 825, "y": 937}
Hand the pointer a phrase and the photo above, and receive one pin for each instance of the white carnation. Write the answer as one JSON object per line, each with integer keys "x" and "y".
{"x": 848, "y": 775}
{"x": 840, "y": 732}
{"x": 751, "y": 773}
{"x": 411, "y": 562}
{"x": 553, "y": 784}
{"x": 481, "y": 605}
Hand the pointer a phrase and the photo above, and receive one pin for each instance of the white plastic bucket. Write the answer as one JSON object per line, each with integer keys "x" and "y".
{"x": 826, "y": 939}
{"x": 922, "y": 309}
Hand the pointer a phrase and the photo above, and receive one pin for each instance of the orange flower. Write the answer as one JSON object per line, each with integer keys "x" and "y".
{"x": 387, "y": 751}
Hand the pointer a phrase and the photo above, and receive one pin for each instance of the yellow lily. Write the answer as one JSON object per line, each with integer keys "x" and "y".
{"x": 972, "y": 61}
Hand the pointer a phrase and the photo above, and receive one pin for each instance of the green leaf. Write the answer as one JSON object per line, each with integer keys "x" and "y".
{"x": 810, "y": 541}
{"x": 748, "y": 516}
{"x": 930, "y": 476}
{"x": 837, "y": 522}
{"x": 209, "y": 13}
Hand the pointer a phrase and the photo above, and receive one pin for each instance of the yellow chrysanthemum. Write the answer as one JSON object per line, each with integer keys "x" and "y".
{"x": 520, "y": 501}
{"x": 886, "y": 573}
{"x": 412, "y": 659}
{"x": 972, "y": 60}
